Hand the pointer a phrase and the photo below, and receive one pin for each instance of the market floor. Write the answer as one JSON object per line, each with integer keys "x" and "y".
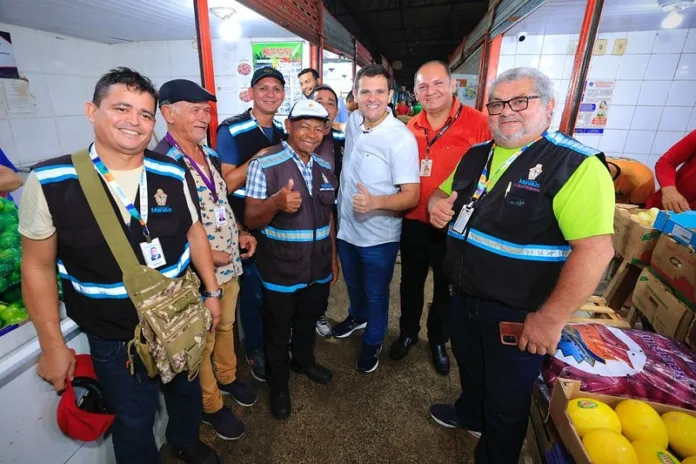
{"x": 375, "y": 418}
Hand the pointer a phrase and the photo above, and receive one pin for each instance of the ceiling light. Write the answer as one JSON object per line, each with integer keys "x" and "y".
{"x": 672, "y": 20}
{"x": 223, "y": 12}
{"x": 229, "y": 30}
{"x": 674, "y": 5}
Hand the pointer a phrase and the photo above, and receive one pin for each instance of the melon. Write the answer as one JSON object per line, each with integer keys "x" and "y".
{"x": 588, "y": 414}
{"x": 640, "y": 422}
{"x": 609, "y": 447}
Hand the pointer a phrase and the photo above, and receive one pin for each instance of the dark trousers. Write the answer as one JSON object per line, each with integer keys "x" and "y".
{"x": 496, "y": 379}
{"x": 423, "y": 247}
{"x": 134, "y": 399}
{"x": 281, "y": 311}
{"x": 250, "y": 296}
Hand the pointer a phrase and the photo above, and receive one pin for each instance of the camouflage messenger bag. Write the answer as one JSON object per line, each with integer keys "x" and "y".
{"x": 173, "y": 321}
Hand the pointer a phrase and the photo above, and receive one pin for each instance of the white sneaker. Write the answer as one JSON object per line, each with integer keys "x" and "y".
{"x": 323, "y": 327}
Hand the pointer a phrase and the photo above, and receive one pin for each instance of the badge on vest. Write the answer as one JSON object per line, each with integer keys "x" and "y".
{"x": 153, "y": 254}
{"x": 161, "y": 200}
{"x": 220, "y": 216}
{"x": 535, "y": 172}
{"x": 426, "y": 167}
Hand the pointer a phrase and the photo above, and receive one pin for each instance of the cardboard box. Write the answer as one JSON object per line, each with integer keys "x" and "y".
{"x": 681, "y": 226}
{"x": 567, "y": 390}
{"x": 632, "y": 240}
{"x": 675, "y": 264}
{"x": 666, "y": 313}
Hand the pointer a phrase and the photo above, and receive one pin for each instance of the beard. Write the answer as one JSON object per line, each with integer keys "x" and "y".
{"x": 531, "y": 128}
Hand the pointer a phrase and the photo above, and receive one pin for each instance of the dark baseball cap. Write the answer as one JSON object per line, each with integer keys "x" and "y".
{"x": 267, "y": 71}
{"x": 184, "y": 90}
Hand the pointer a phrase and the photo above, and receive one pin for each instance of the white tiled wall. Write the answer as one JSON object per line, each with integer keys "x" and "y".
{"x": 654, "y": 100}
{"x": 62, "y": 72}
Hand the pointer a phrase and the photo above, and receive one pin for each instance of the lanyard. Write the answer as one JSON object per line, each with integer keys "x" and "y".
{"x": 121, "y": 195}
{"x": 251, "y": 113}
{"x": 441, "y": 132}
{"x": 209, "y": 182}
{"x": 484, "y": 180}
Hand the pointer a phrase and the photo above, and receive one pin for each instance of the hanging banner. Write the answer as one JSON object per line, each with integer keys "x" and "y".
{"x": 8, "y": 66}
{"x": 594, "y": 108}
{"x": 286, "y": 57}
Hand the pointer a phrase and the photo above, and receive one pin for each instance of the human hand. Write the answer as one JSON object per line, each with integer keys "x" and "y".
{"x": 248, "y": 242}
{"x": 220, "y": 258}
{"x": 213, "y": 305}
{"x": 541, "y": 334}
{"x": 335, "y": 270}
{"x": 442, "y": 213}
{"x": 672, "y": 200}
{"x": 364, "y": 202}
{"x": 56, "y": 365}
{"x": 287, "y": 200}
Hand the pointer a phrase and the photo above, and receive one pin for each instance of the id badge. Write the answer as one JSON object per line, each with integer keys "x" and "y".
{"x": 153, "y": 254}
{"x": 463, "y": 219}
{"x": 426, "y": 167}
{"x": 220, "y": 216}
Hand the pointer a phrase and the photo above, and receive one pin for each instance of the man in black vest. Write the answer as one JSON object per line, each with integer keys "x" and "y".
{"x": 291, "y": 193}
{"x": 59, "y": 228}
{"x": 529, "y": 220}
{"x": 330, "y": 150}
{"x": 239, "y": 138}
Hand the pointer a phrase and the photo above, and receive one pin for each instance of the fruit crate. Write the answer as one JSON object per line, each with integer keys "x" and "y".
{"x": 596, "y": 311}
{"x": 564, "y": 391}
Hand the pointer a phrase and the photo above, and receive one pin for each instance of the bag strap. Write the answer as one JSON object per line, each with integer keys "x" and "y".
{"x": 100, "y": 205}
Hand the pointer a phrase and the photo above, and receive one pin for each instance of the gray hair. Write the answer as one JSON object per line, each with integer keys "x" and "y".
{"x": 542, "y": 82}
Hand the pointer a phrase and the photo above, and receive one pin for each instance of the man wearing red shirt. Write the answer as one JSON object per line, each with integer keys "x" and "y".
{"x": 445, "y": 130}
{"x": 678, "y": 192}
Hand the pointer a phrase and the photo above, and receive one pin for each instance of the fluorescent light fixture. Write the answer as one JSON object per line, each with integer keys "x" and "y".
{"x": 672, "y": 20}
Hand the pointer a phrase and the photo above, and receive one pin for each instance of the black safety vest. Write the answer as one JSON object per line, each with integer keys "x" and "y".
{"x": 93, "y": 290}
{"x": 295, "y": 250}
{"x": 250, "y": 140}
{"x": 512, "y": 249}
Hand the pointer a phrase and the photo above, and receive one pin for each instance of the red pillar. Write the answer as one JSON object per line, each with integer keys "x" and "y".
{"x": 491, "y": 67}
{"x": 581, "y": 64}
{"x": 205, "y": 59}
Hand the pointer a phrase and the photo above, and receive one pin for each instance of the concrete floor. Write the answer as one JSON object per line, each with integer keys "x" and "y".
{"x": 381, "y": 417}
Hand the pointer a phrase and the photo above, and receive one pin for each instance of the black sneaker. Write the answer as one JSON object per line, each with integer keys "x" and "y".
{"x": 369, "y": 358}
{"x": 240, "y": 392}
{"x": 226, "y": 425}
{"x": 257, "y": 364}
{"x": 446, "y": 416}
{"x": 400, "y": 347}
{"x": 201, "y": 454}
{"x": 348, "y": 326}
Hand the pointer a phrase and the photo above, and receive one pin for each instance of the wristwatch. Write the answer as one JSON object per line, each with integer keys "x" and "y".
{"x": 216, "y": 294}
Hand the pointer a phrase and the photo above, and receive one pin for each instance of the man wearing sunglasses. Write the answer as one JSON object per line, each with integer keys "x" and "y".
{"x": 529, "y": 218}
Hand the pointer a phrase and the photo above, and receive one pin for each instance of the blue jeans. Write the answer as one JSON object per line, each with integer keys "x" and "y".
{"x": 496, "y": 379}
{"x": 134, "y": 399}
{"x": 368, "y": 271}
{"x": 250, "y": 299}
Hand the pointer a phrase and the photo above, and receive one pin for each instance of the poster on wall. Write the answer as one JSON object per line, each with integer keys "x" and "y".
{"x": 8, "y": 66}
{"x": 20, "y": 100}
{"x": 594, "y": 108}
{"x": 286, "y": 57}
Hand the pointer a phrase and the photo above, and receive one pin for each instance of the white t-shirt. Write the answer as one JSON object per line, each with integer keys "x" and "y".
{"x": 382, "y": 159}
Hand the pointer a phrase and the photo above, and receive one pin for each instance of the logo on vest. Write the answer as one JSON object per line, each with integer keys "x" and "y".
{"x": 326, "y": 185}
{"x": 161, "y": 199}
{"x": 534, "y": 172}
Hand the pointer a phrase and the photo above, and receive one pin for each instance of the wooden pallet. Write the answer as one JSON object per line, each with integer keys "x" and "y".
{"x": 599, "y": 313}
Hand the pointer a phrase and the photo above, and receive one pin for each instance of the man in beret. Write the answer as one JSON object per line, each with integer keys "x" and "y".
{"x": 186, "y": 108}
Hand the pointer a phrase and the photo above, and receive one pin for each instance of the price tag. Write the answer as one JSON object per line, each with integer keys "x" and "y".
{"x": 682, "y": 233}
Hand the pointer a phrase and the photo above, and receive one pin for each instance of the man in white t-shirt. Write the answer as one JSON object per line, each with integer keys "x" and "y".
{"x": 379, "y": 180}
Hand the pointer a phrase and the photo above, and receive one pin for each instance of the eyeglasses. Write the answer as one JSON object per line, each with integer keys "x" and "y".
{"x": 515, "y": 104}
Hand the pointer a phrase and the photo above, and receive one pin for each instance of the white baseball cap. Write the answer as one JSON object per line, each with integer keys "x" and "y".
{"x": 308, "y": 109}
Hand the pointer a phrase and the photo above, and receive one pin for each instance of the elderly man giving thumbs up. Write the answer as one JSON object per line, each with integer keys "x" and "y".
{"x": 290, "y": 194}
{"x": 379, "y": 179}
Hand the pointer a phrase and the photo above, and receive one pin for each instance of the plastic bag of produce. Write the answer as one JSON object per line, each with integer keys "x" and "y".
{"x": 625, "y": 362}
{"x": 10, "y": 246}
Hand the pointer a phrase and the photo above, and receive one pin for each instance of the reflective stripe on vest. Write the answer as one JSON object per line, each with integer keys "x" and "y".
{"x": 295, "y": 235}
{"x": 117, "y": 290}
{"x": 292, "y": 288}
{"x": 241, "y": 127}
{"x": 513, "y": 250}
{"x": 239, "y": 193}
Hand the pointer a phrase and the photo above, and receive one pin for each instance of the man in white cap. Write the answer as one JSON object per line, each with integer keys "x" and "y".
{"x": 290, "y": 194}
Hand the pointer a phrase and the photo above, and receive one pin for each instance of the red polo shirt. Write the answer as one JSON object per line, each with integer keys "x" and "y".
{"x": 469, "y": 129}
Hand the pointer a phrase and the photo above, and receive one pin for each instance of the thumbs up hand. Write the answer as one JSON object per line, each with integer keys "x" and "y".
{"x": 363, "y": 202}
{"x": 443, "y": 211}
{"x": 287, "y": 200}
